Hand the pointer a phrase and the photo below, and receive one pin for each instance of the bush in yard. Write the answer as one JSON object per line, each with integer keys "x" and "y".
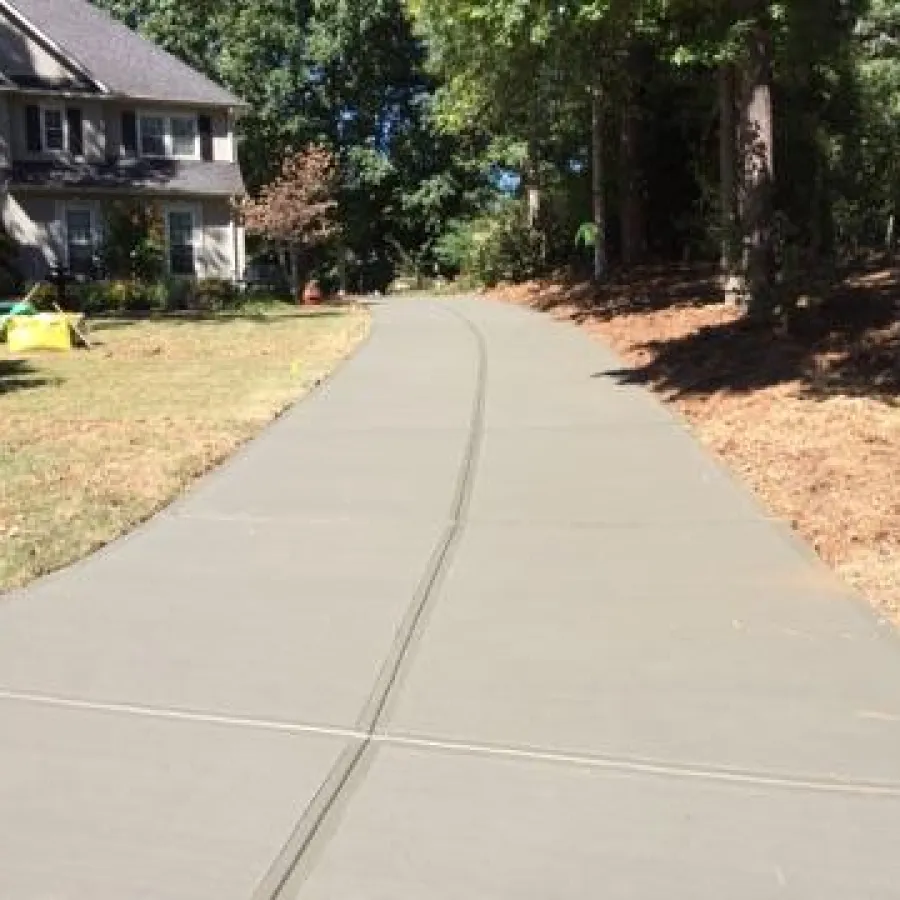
{"x": 9, "y": 274}
{"x": 128, "y": 296}
{"x": 213, "y": 294}
{"x": 500, "y": 246}
{"x": 135, "y": 245}
{"x": 44, "y": 295}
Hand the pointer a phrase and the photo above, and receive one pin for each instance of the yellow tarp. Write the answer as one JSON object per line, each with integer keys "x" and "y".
{"x": 46, "y": 331}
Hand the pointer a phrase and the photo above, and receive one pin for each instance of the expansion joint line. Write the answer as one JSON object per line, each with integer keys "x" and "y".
{"x": 286, "y": 868}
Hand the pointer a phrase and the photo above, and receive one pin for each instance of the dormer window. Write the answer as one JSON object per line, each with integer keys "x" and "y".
{"x": 168, "y": 136}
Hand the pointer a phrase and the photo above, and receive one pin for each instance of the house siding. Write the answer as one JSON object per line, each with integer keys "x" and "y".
{"x": 94, "y": 124}
{"x": 36, "y": 222}
{"x": 32, "y": 222}
{"x": 223, "y": 139}
{"x": 43, "y": 183}
{"x": 223, "y": 134}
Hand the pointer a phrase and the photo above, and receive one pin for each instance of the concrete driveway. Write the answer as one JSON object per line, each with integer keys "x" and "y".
{"x": 475, "y": 622}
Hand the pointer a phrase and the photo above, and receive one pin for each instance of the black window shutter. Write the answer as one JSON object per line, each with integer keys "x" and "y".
{"x": 129, "y": 134}
{"x": 33, "y": 128}
{"x": 76, "y": 131}
{"x": 204, "y": 126}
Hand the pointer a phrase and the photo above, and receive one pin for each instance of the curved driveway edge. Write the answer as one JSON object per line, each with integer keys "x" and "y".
{"x": 592, "y": 665}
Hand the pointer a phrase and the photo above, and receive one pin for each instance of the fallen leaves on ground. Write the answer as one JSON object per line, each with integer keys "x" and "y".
{"x": 808, "y": 416}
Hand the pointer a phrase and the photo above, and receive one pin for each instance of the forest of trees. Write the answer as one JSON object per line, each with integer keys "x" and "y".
{"x": 503, "y": 139}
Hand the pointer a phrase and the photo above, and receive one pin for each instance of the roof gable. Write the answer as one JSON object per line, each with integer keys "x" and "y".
{"x": 27, "y": 61}
{"x": 113, "y": 56}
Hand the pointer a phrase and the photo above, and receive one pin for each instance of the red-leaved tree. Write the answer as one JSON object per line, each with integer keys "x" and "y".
{"x": 297, "y": 211}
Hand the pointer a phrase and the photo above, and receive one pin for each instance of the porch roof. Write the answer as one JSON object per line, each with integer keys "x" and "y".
{"x": 130, "y": 176}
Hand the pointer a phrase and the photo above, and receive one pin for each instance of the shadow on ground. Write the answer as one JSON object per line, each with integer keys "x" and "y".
{"x": 111, "y": 323}
{"x": 18, "y": 375}
{"x": 844, "y": 340}
{"x": 646, "y": 290}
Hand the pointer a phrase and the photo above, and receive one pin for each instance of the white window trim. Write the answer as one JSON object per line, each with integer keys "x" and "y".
{"x": 197, "y": 236}
{"x": 168, "y": 140}
{"x": 45, "y": 144}
{"x": 72, "y": 206}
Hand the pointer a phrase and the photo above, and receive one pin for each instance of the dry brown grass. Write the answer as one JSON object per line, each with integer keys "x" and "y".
{"x": 94, "y": 442}
{"x": 809, "y": 417}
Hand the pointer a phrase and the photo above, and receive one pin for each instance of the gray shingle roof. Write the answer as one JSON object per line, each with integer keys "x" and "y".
{"x": 138, "y": 176}
{"x": 116, "y": 56}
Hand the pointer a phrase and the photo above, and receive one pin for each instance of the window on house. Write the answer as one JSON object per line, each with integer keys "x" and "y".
{"x": 182, "y": 252}
{"x": 153, "y": 136}
{"x": 54, "y": 129}
{"x": 184, "y": 136}
{"x": 169, "y": 136}
{"x": 80, "y": 239}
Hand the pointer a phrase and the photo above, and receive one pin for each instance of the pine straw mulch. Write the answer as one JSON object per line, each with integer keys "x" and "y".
{"x": 808, "y": 415}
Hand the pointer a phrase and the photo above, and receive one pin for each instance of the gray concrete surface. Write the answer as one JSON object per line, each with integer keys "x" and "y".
{"x": 397, "y": 651}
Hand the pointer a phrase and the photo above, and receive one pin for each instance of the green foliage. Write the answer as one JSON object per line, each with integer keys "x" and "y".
{"x": 349, "y": 75}
{"x": 586, "y": 236}
{"x": 127, "y": 296}
{"x": 430, "y": 106}
{"x": 44, "y": 296}
{"x": 500, "y": 246}
{"x": 9, "y": 274}
{"x": 135, "y": 241}
{"x": 213, "y": 294}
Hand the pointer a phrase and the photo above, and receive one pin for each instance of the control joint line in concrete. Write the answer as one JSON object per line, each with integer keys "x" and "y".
{"x": 285, "y": 867}
{"x": 613, "y": 764}
{"x": 171, "y": 714}
{"x": 625, "y": 765}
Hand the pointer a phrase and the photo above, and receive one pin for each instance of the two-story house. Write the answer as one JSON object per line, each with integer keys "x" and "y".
{"x": 90, "y": 113}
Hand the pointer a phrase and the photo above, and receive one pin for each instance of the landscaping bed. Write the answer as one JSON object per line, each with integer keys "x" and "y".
{"x": 808, "y": 416}
{"x": 93, "y": 442}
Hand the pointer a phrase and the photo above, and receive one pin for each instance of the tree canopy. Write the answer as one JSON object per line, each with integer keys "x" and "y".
{"x": 756, "y": 132}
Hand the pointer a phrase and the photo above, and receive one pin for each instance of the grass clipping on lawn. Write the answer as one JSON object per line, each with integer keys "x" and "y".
{"x": 93, "y": 443}
{"x": 811, "y": 421}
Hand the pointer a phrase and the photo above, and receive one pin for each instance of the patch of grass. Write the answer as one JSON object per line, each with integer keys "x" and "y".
{"x": 92, "y": 443}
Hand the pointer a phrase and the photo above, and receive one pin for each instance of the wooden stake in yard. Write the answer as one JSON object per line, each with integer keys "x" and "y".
{"x": 74, "y": 325}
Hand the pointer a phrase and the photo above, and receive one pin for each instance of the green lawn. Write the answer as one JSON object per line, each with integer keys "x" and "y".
{"x": 94, "y": 442}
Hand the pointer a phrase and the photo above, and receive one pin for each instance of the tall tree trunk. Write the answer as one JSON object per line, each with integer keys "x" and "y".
{"x": 533, "y": 177}
{"x": 533, "y": 193}
{"x": 632, "y": 213}
{"x": 294, "y": 269}
{"x": 757, "y": 171}
{"x": 730, "y": 250}
{"x": 601, "y": 267}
